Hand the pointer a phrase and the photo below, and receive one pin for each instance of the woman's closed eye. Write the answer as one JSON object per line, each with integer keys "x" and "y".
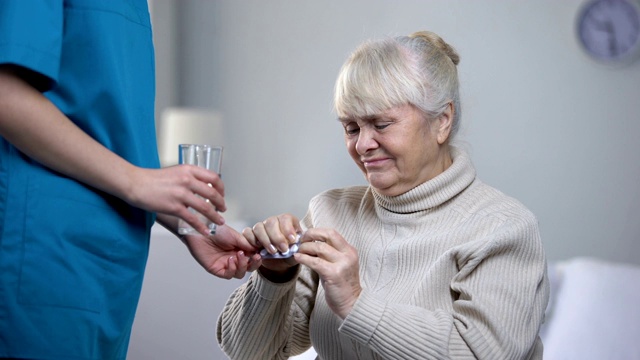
{"x": 351, "y": 129}
{"x": 381, "y": 126}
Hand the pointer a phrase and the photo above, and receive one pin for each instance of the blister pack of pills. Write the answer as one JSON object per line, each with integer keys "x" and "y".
{"x": 293, "y": 248}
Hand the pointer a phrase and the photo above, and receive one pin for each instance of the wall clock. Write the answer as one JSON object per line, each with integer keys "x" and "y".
{"x": 609, "y": 30}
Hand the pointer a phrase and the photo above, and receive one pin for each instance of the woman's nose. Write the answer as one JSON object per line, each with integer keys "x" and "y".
{"x": 366, "y": 141}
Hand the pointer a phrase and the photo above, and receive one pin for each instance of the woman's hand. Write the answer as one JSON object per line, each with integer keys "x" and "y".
{"x": 326, "y": 252}
{"x": 275, "y": 234}
{"x": 174, "y": 189}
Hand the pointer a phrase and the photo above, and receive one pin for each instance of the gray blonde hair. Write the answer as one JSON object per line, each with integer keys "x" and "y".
{"x": 419, "y": 69}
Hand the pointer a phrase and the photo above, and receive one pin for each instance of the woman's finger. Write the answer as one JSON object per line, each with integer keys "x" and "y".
{"x": 329, "y": 236}
{"x": 290, "y": 227}
{"x": 273, "y": 229}
{"x": 251, "y": 238}
{"x": 262, "y": 237}
{"x": 321, "y": 250}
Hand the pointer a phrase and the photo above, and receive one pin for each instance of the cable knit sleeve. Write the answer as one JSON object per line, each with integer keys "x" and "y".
{"x": 261, "y": 319}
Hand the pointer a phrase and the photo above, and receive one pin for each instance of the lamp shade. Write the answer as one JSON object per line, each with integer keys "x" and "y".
{"x": 187, "y": 126}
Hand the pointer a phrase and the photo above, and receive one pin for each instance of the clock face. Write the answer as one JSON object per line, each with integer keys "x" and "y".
{"x": 609, "y": 30}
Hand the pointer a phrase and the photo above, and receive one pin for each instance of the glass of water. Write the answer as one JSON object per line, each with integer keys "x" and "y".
{"x": 205, "y": 156}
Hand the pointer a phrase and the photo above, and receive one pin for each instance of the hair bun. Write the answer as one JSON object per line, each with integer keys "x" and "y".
{"x": 435, "y": 40}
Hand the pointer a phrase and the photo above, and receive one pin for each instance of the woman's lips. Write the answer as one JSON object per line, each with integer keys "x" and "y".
{"x": 374, "y": 163}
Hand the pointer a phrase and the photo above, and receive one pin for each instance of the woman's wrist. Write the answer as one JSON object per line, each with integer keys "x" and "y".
{"x": 279, "y": 276}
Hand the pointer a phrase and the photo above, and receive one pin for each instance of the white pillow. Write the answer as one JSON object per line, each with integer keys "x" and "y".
{"x": 594, "y": 311}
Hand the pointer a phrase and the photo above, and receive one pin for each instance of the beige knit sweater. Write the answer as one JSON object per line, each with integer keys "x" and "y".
{"x": 451, "y": 269}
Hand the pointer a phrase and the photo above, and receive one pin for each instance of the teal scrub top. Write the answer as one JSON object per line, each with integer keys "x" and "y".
{"x": 71, "y": 257}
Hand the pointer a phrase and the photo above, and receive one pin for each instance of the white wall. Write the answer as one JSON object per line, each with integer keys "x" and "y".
{"x": 164, "y": 17}
{"x": 543, "y": 122}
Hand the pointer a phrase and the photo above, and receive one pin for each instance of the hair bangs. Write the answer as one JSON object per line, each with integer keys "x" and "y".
{"x": 377, "y": 77}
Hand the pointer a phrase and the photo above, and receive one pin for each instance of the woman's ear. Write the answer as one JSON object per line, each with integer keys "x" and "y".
{"x": 444, "y": 123}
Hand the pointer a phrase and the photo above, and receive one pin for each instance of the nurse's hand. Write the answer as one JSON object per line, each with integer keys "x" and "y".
{"x": 227, "y": 254}
{"x": 326, "y": 252}
{"x": 174, "y": 189}
{"x": 34, "y": 125}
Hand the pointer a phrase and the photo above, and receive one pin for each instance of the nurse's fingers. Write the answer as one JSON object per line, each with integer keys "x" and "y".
{"x": 243, "y": 265}
{"x": 230, "y": 268}
{"x": 254, "y": 262}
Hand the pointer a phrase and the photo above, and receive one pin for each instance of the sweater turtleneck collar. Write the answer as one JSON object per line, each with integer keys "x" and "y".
{"x": 434, "y": 192}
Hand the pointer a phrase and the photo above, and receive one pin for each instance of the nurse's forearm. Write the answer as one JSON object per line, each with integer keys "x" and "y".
{"x": 35, "y": 126}
{"x": 170, "y": 223}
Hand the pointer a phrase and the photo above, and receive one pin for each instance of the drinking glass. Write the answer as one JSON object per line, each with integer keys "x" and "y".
{"x": 205, "y": 156}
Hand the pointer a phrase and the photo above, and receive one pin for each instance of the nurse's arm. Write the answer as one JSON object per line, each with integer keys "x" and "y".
{"x": 35, "y": 126}
{"x": 227, "y": 254}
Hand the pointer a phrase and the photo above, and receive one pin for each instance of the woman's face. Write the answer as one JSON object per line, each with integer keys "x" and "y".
{"x": 398, "y": 149}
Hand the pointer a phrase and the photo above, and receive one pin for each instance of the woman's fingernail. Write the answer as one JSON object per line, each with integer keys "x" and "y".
{"x": 273, "y": 248}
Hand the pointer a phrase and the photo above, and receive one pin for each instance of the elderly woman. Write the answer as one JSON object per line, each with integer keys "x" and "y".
{"x": 427, "y": 262}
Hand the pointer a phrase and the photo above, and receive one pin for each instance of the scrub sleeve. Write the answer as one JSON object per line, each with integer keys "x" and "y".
{"x": 72, "y": 258}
